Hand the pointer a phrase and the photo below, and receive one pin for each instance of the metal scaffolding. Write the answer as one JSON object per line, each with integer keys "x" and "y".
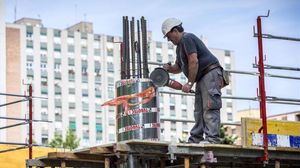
{"x": 26, "y": 121}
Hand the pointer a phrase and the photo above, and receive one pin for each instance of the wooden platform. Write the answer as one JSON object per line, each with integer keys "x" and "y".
{"x": 138, "y": 153}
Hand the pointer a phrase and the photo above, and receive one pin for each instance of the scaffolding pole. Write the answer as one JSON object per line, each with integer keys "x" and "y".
{"x": 262, "y": 91}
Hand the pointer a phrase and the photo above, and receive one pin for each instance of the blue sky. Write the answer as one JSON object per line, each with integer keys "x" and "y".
{"x": 227, "y": 24}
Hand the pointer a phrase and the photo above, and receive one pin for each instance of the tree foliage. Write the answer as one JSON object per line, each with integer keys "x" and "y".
{"x": 71, "y": 141}
{"x": 225, "y": 138}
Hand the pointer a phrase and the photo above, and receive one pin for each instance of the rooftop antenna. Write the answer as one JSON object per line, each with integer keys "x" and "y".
{"x": 15, "y": 10}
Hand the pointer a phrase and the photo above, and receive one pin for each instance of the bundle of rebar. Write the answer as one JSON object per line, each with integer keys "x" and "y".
{"x": 134, "y": 52}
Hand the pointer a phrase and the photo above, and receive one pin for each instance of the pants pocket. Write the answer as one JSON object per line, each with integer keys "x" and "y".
{"x": 214, "y": 101}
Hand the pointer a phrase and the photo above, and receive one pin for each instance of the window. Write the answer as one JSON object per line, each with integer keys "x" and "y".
{"x": 97, "y": 67}
{"x": 72, "y": 105}
{"x": 229, "y": 117}
{"x": 58, "y": 117}
{"x": 71, "y": 62}
{"x": 57, "y": 47}
{"x": 43, "y": 46}
{"x": 97, "y": 52}
{"x": 229, "y": 91}
{"x": 110, "y": 67}
{"x": 57, "y": 103}
{"x": 56, "y": 33}
{"x": 43, "y": 32}
{"x": 71, "y": 76}
{"x": 172, "y": 111}
{"x": 158, "y": 57}
{"x": 227, "y": 66}
{"x": 173, "y": 126}
{"x": 85, "y": 106}
{"x": 227, "y": 53}
{"x": 29, "y": 44}
{"x": 110, "y": 51}
{"x": 84, "y": 51}
{"x": 71, "y": 48}
{"x": 85, "y": 92}
{"x": 111, "y": 81}
{"x": 97, "y": 93}
{"x": 72, "y": 91}
{"x": 85, "y": 120}
{"x": 57, "y": 90}
{"x": 72, "y": 123}
{"x": 110, "y": 38}
{"x": 184, "y": 113}
{"x": 158, "y": 44}
{"x": 98, "y": 127}
{"x": 29, "y": 31}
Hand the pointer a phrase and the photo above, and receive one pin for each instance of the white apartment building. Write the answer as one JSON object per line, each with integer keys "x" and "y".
{"x": 2, "y": 67}
{"x": 77, "y": 70}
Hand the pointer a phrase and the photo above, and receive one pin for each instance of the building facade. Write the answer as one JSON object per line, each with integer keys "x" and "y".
{"x": 76, "y": 71}
{"x": 2, "y": 67}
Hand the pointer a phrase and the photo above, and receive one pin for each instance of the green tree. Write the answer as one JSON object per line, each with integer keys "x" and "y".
{"x": 225, "y": 138}
{"x": 71, "y": 141}
{"x": 57, "y": 141}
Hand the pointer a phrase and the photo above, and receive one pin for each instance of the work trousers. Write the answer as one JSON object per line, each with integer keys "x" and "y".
{"x": 207, "y": 108}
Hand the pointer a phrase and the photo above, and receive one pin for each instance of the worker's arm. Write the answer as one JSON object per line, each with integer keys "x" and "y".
{"x": 193, "y": 70}
{"x": 175, "y": 69}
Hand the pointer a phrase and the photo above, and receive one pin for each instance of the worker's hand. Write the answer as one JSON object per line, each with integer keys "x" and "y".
{"x": 187, "y": 88}
{"x": 167, "y": 66}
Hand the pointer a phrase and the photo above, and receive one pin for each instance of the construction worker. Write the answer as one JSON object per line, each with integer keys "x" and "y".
{"x": 203, "y": 70}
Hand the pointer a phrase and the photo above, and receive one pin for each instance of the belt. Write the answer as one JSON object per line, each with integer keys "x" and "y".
{"x": 209, "y": 68}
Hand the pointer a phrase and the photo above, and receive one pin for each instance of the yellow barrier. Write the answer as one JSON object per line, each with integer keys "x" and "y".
{"x": 17, "y": 158}
{"x": 251, "y": 126}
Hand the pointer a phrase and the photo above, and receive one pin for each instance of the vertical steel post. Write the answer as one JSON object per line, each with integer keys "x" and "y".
{"x": 30, "y": 121}
{"x": 262, "y": 92}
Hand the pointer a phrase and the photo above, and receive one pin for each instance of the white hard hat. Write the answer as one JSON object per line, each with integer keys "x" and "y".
{"x": 168, "y": 24}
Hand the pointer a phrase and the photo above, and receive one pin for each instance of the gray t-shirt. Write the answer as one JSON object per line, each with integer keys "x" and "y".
{"x": 192, "y": 44}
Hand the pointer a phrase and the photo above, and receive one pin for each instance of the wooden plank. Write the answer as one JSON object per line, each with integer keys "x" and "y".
{"x": 186, "y": 162}
{"x": 74, "y": 156}
{"x": 107, "y": 163}
{"x": 101, "y": 150}
{"x": 63, "y": 164}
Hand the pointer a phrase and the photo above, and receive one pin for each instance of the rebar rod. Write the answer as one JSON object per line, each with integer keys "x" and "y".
{"x": 144, "y": 46}
{"x": 127, "y": 49}
{"x": 138, "y": 48}
{"x": 132, "y": 33}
